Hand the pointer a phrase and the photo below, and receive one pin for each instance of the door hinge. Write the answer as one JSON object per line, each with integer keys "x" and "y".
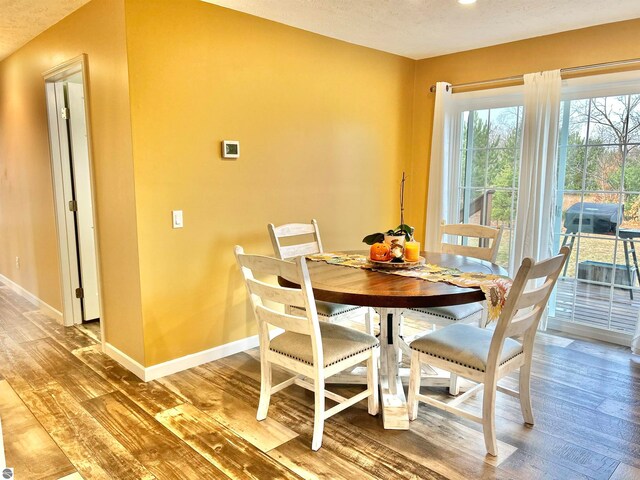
{"x": 64, "y": 113}
{"x": 79, "y": 293}
{"x": 73, "y": 206}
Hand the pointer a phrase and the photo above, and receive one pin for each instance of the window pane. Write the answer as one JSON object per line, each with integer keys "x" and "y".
{"x": 634, "y": 119}
{"x": 504, "y": 250}
{"x": 632, "y": 213}
{"x": 607, "y": 119}
{"x": 604, "y": 168}
{"x": 464, "y": 131}
{"x": 572, "y": 158}
{"x": 500, "y": 167}
{"x": 480, "y": 137}
{"x": 571, "y": 212}
{"x": 595, "y": 260}
{"x": 503, "y": 127}
{"x": 501, "y": 211}
{"x": 578, "y": 117}
{"x": 464, "y": 155}
{"x": 478, "y": 167}
{"x": 632, "y": 169}
{"x": 472, "y": 205}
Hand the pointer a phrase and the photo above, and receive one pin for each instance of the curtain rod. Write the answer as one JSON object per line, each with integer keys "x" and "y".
{"x": 516, "y": 78}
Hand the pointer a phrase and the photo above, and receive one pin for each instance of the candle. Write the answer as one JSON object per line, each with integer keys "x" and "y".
{"x": 412, "y": 251}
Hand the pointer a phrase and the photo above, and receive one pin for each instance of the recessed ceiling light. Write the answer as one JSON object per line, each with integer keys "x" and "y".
{"x": 466, "y": 2}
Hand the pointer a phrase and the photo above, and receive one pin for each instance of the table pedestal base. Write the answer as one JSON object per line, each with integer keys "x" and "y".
{"x": 393, "y": 402}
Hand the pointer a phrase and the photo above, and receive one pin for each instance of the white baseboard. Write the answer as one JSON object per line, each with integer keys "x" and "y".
{"x": 123, "y": 359}
{"x": 42, "y": 305}
{"x": 179, "y": 364}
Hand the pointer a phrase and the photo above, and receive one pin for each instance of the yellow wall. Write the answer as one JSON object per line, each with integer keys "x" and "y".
{"x": 27, "y": 223}
{"x": 324, "y": 128}
{"x": 604, "y": 43}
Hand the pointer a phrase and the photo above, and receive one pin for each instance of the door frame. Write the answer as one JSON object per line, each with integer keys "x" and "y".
{"x": 62, "y": 185}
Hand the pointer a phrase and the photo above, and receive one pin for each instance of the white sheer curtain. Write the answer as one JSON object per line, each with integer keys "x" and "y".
{"x": 537, "y": 184}
{"x": 445, "y": 142}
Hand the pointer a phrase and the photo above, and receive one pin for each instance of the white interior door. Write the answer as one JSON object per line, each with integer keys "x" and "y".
{"x": 85, "y": 228}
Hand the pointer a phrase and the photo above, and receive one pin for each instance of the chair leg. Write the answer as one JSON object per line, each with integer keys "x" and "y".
{"x": 414, "y": 385}
{"x": 265, "y": 389}
{"x": 318, "y": 414}
{"x": 368, "y": 321}
{"x": 372, "y": 383}
{"x": 483, "y": 321}
{"x": 489, "y": 419}
{"x": 454, "y": 387}
{"x": 524, "y": 381}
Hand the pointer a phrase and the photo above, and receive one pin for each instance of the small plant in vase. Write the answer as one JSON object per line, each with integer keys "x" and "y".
{"x": 390, "y": 245}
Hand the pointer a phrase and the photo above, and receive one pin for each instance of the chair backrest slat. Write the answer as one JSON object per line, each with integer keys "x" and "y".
{"x": 291, "y": 230}
{"x": 293, "y": 251}
{"x": 273, "y": 293}
{"x": 259, "y": 264}
{"x": 522, "y": 322}
{"x": 294, "y": 229}
{"x": 534, "y": 295}
{"x": 548, "y": 267}
{"x": 467, "y": 230}
{"x": 290, "y": 323}
{"x": 482, "y": 253}
{"x": 522, "y": 311}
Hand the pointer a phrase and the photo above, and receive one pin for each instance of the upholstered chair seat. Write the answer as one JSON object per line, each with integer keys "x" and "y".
{"x": 338, "y": 343}
{"x": 466, "y": 345}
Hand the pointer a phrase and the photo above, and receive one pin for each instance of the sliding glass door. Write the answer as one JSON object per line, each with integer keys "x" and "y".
{"x": 488, "y": 170}
{"x": 598, "y": 212}
{"x": 598, "y": 194}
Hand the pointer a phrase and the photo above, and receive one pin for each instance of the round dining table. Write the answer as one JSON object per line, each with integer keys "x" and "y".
{"x": 389, "y": 295}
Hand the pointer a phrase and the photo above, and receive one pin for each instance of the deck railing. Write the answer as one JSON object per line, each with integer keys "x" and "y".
{"x": 482, "y": 203}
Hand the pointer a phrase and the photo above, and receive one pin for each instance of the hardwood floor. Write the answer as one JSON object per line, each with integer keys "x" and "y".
{"x": 69, "y": 411}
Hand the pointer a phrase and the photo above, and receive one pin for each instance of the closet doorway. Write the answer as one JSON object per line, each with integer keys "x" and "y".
{"x": 71, "y": 167}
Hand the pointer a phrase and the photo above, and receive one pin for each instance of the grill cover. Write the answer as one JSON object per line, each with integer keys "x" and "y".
{"x": 596, "y": 217}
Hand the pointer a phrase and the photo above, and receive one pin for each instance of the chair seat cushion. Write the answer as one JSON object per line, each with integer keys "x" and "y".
{"x": 338, "y": 343}
{"x": 328, "y": 309}
{"x": 465, "y": 345}
{"x": 453, "y": 312}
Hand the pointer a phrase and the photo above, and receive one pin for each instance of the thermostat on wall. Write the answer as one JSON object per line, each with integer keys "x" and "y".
{"x": 230, "y": 149}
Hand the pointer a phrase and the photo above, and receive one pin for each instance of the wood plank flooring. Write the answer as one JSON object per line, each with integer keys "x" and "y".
{"x": 70, "y": 412}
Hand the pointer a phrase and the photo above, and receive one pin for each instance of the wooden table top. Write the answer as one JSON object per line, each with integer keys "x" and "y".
{"x": 358, "y": 286}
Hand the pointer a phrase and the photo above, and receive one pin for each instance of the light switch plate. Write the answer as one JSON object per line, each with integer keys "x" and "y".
{"x": 230, "y": 149}
{"x": 177, "y": 218}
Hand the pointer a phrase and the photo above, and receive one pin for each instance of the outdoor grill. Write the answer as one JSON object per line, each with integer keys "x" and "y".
{"x": 601, "y": 218}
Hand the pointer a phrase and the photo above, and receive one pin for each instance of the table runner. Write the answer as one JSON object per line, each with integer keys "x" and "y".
{"x": 495, "y": 287}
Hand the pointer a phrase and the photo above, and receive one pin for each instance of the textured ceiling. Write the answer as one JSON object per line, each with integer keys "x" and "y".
{"x": 412, "y": 28}
{"x": 426, "y": 28}
{"x": 22, "y": 20}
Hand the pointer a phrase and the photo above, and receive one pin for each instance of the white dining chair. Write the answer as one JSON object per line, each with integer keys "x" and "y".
{"x": 286, "y": 245}
{"x": 485, "y": 356}
{"x": 488, "y": 243}
{"x": 471, "y": 312}
{"x": 307, "y": 347}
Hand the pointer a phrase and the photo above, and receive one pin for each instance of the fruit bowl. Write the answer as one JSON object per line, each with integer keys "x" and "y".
{"x": 394, "y": 265}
